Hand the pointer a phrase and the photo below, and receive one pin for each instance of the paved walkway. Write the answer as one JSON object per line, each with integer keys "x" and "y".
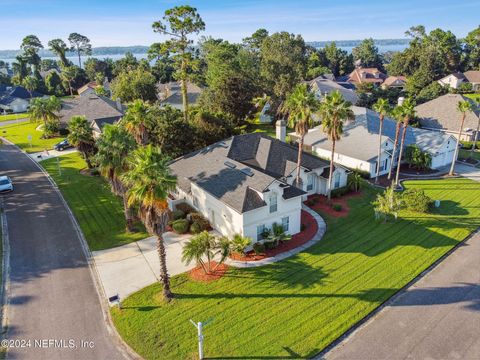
{"x": 322, "y": 227}
{"x": 467, "y": 171}
{"x": 15, "y": 121}
{"x": 436, "y": 318}
{"x": 44, "y": 155}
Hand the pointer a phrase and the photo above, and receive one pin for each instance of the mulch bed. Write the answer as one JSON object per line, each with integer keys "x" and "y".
{"x": 297, "y": 240}
{"x": 321, "y": 204}
{"x": 198, "y": 274}
{"x": 405, "y": 169}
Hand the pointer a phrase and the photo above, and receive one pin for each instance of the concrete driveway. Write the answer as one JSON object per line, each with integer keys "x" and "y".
{"x": 436, "y": 318}
{"x": 126, "y": 269}
{"x": 467, "y": 171}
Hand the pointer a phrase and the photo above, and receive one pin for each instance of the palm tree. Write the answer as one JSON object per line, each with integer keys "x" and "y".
{"x": 408, "y": 112}
{"x": 68, "y": 74}
{"x": 135, "y": 121}
{"x": 30, "y": 83}
{"x": 463, "y": 107}
{"x": 58, "y": 47}
{"x": 113, "y": 148}
{"x": 474, "y": 145}
{"x": 397, "y": 114}
{"x": 45, "y": 110}
{"x": 382, "y": 107}
{"x": 80, "y": 135}
{"x": 334, "y": 110}
{"x": 300, "y": 105}
{"x": 148, "y": 180}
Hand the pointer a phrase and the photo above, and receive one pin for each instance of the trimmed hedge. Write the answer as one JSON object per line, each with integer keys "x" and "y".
{"x": 195, "y": 228}
{"x": 180, "y": 226}
{"x": 178, "y": 214}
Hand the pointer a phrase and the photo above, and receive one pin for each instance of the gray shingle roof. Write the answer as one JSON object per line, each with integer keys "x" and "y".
{"x": 441, "y": 113}
{"x": 360, "y": 137}
{"x": 268, "y": 160}
{"x": 93, "y": 107}
{"x": 328, "y": 86}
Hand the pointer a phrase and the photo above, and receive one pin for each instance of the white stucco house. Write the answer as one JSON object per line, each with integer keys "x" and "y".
{"x": 246, "y": 183}
{"x": 358, "y": 147}
{"x": 456, "y": 79}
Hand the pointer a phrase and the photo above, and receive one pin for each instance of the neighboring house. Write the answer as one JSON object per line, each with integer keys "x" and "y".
{"x": 395, "y": 82}
{"x": 264, "y": 116}
{"x": 44, "y": 74}
{"x": 358, "y": 147}
{"x": 171, "y": 94}
{"x": 16, "y": 99}
{"x": 441, "y": 114}
{"x": 87, "y": 89}
{"x": 99, "y": 110}
{"x": 246, "y": 183}
{"x": 322, "y": 86}
{"x": 456, "y": 79}
{"x": 7, "y": 72}
{"x": 366, "y": 75}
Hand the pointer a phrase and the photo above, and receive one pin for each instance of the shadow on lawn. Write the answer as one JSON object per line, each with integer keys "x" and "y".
{"x": 291, "y": 355}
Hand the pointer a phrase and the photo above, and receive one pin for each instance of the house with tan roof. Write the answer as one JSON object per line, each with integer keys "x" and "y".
{"x": 395, "y": 82}
{"x": 366, "y": 75}
{"x": 456, "y": 79}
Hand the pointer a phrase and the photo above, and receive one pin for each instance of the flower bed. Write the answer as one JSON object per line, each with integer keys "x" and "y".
{"x": 310, "y": 229}
{"x": 198, "y": 274}
{"x": 337, "y": 208}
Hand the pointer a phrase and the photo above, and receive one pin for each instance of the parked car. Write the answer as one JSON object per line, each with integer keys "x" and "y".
{"x": 5, "y": 184}
{"x": 62, "y": 145}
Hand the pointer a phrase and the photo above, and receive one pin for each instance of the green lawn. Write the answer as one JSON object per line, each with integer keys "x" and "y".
{"x": 18, "y": 134}
{"x": 464, "y": 154}
{"x": 13, "y": 116}
{"x": 268, "y": 129}
{"x": 295, "y": 308}
{"x": 473, "y": 96}
{"x": 99, "y": 212}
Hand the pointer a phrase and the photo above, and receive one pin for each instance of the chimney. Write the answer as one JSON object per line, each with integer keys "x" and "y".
{"x": 118, "y": 101}
{"x": 281, "y": 130}
{"x": 401, "y": 99}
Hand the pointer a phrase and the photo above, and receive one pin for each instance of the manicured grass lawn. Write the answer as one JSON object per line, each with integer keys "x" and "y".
{"x": 268, "y": 129}
{"x": 295, "y": 308}
{"x": 473, "y": 96}
{"x": 18, "y": 134}
{"x": 99, "y": 212}
{"x": 7, "y": 117}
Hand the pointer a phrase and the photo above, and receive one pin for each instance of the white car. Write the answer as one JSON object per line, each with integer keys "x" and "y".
{"x": 5, "y": 184}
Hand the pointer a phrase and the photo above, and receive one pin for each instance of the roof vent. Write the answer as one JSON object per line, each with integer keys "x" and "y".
{"x": 247, "y": 171}
{"x": 230, "y": 164}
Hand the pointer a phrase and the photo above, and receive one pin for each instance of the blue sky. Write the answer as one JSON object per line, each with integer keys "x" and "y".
{"x": 121, "y": 22}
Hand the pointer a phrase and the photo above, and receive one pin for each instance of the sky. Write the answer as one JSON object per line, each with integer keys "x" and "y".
{"x": 122, "y": 22}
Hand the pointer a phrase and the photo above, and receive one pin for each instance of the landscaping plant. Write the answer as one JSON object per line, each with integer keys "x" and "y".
{"x": 387, "y": 204}
{"x": 206, "y": 246}
{"x": 240, "y": 243}
{"x": 416, "y": 200}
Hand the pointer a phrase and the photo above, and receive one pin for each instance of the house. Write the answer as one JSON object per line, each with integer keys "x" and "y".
{"x": 246, "y": 183}
{"x": 99, "y": 110}
{"x": 441, "y": 114}
{"x": 44, "y": 74}
{"x": 87, "y": 89}
{"x": 171, "y": 94}
{"x": 395, "y": 82}
{"x": 358, "y": 147}
{"x": 456, "y": 79}
{"x": 16, "y": 99}
{"x": 366, "y": 76}
{"x": 322, "y": 86}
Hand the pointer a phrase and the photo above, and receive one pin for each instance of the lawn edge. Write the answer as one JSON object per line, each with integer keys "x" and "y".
{"x": 370, "y": 317}
{"x": 123, "y": 347}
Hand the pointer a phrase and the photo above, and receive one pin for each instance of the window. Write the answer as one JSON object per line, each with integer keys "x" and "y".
{"x": 337, "y": 181}
{"x": 195, "y": 202}
{"x": 310, "y": 181}
{"x": 260, "y": 230}
{"x": 273, "y": 203}
{"x": 285, "y": 223}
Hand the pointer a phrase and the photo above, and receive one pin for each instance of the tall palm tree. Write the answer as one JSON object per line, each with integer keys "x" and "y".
{"x": 463, "y": 107}
{"x": 301, "y": 105}
{"x": 58, "y": 47}
{"x": 334, "y": 110}
{"x": 113, "y": 148}
{"x": 397, "y": 114}
{"x": 382, "y": 107}
{"x": 30, "y": 83}
{"x": 474, "y": 145}
{"x": 408, "y": 112}
{"x": 148, "y": 182}
{"x": 80, "y": 135}
{"x": 45, "y": 110}
{"x": 135, "y": 121}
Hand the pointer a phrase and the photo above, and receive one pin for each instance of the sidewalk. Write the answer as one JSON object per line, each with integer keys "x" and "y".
{"x": 44, "y": 155}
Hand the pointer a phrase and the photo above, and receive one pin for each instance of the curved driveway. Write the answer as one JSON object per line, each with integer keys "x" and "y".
{"x": 52, "y": 292}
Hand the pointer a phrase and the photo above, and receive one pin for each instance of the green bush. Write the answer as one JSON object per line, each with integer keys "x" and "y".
{"x": 200, "y": 219}
{"x": 187, "y": 209}
{"x": 239, "y": 243}
{"x": 178, "y": 214}
{"x": 340, "y": 192}
{"x": 195, "y": 228}
{"x": 258, "y": 248}
{"x": 467, "y": 145}
{"x": 94, "y": 172}
{"x": 337, "y": 207}
{"x": 416, "y": 200}
{"x": 180, "y": 226}
{"x": 417, "y": 158}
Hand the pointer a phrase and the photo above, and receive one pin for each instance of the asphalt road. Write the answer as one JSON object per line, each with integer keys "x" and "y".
{"x": 52, "y": 292}
{"x": 436, "y": 318}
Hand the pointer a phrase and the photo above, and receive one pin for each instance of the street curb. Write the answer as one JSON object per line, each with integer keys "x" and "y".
{"x": 124, "y": 348}
{"x": 347, "y": 335}
{"x": 4, "y": 299}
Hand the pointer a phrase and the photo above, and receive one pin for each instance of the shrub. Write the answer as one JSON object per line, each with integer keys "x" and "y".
{"x": 195, "y": 228}
{"x": 258, "y": 248}
{"x": 467, "y": 145}
{"x": 337, "y": 207}
{"x": 417, "y": 158}
{"x": 94, "y": 172}
{"x": 200, "y": 219}
{"x": 239, "y": 243}
{"x": 187, "y": 209}
{"x": 178, "y": 214}
{"x": 303, "y": 227}
{"x": 340, "y": 192}
{"x": 180, "y": 226}
{"x": 354, "y": 181}
{"x": 416, "y": 200}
